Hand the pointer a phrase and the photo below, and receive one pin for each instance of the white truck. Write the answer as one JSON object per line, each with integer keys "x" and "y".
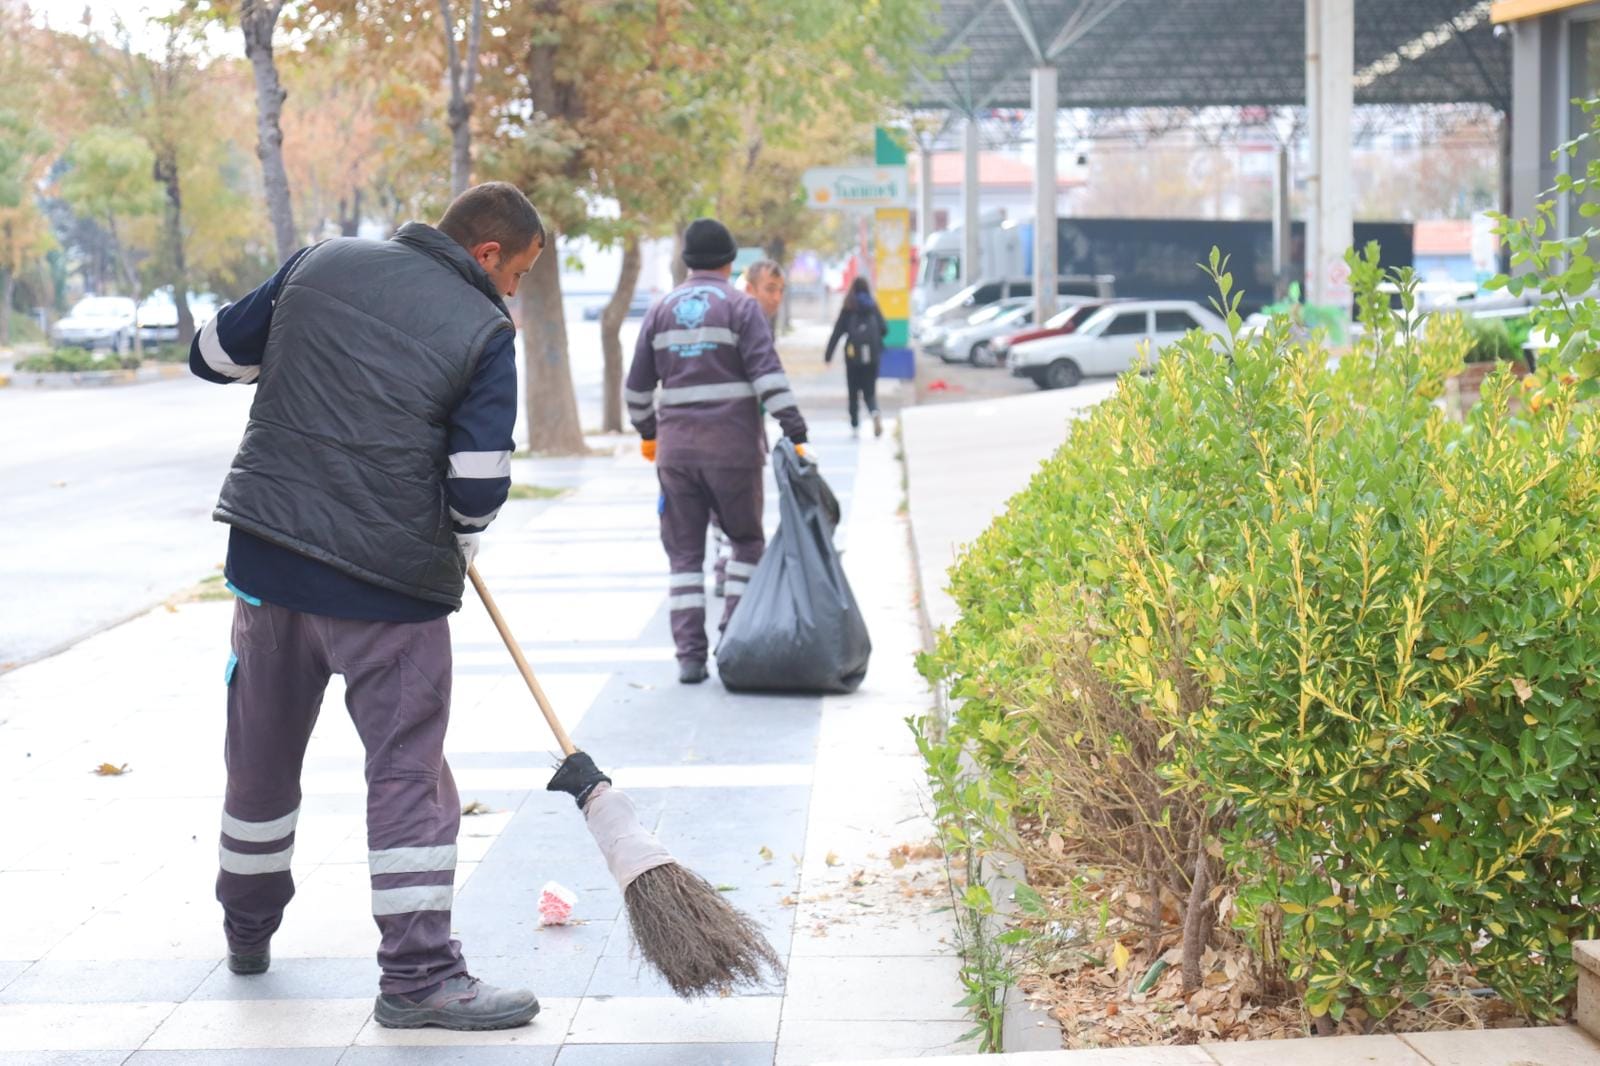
{"x": 1000, "y": 254}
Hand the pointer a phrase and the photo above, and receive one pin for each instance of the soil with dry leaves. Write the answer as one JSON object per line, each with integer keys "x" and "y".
{"x": 1110, "y": 983}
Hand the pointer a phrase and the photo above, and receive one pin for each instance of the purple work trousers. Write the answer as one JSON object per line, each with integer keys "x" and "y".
{"x": 397, "y": 689}
{"x": 690, "y": 497}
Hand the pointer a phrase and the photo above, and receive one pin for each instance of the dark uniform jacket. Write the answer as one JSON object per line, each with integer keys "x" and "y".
{"x": 708, "y": 349}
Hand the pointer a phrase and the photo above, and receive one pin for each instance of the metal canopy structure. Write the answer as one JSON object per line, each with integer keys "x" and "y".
{"x": 1200, "y": 53}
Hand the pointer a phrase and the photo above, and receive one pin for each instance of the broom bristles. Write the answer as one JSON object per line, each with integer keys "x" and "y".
{"x": 698, "y": 941}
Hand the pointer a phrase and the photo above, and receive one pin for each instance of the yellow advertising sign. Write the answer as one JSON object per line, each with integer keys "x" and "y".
{"x": 892, "y": 260}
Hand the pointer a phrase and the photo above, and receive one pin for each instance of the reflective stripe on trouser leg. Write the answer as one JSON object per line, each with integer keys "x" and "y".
{"x": 398, "y": 693}
{"x": 273, "y": 696}
{"x": 685, "y": 510}
{"x": 737, "y": 498}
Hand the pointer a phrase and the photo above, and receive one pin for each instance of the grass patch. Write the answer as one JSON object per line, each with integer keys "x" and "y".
{"x": 535, "y": 492}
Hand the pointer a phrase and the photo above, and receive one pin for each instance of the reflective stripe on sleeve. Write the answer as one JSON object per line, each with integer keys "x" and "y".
{"x": 480, "y": 464}
{"x": 636, "y": 398}
{"x": 738, "y": 569}
{"x": 687, "y": 602}
{"x": 687, "y": 581}
{"x": 780, "y": 401}
{"x": 735, "y": 587}
{"x": 217, "y": 357}
{"x": 768, "y": 382}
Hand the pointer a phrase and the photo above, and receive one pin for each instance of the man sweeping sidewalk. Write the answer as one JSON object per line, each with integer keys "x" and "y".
{"x": 709, "y": 350}
{"x": 378, "y": 449}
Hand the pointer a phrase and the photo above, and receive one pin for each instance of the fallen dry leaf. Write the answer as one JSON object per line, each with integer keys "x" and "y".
{"x": 765, "y": 853}
{"x": 107, "y": 769}
{"x": 788, "y": 901}
{"x": 832, "y": 859}
{"x": 477, "y": 807}
{"x": 1524, "y": 690}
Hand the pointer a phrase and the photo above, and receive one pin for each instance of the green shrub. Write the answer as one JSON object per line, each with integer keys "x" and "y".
{"x": 1492, "y": 340}
{"x": 1292, "y": 617}
{"x": 76, "y": 360}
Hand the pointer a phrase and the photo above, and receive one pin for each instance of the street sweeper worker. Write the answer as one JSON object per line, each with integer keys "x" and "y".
{"x": 377, "y": 450}
{"x": 703, "y": 370}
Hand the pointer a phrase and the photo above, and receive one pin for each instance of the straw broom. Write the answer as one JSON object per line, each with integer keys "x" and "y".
{"x": 681, "y": 925}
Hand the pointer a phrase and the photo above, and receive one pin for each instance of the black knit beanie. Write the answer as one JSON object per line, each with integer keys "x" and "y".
{"x": 707, "y": 245}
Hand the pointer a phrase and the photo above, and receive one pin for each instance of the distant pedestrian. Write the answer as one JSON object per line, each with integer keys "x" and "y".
{"x": 708, "y": 349}
{"x": 378, "y": 449}
{"x": 861, "y": 326}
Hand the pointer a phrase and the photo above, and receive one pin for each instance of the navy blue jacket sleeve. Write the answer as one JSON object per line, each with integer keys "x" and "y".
{"x": 230, "y": 346}
{"x": 480, "y": 438}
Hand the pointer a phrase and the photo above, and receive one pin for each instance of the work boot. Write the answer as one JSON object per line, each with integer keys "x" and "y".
{"x": 877, "y": 424}
{"x": 691, "y": 672}
{"x": 248, "y": 964}
{"x": 462, "y": 1002}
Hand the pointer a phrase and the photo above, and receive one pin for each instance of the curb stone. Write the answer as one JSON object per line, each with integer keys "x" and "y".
{"x": 77, "y": 379}
{"x": 1023, "y": 1026}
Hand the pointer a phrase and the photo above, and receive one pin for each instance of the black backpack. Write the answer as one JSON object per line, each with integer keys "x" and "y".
{"x": 863, "y": 332}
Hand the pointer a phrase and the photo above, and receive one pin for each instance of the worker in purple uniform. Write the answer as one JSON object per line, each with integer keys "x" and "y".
{"x": 703, "y": 370}
{"x": 377, "y": 451}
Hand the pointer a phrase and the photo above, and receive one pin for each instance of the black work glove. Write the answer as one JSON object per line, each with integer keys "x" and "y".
{"x": 577, "y": 776}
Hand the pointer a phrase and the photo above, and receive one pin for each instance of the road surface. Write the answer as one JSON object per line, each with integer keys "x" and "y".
{"x": 109, "y": 492}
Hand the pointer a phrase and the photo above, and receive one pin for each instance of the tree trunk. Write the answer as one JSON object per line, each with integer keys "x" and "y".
{"x": 350, "y": 222}
{"x": 611, "y": 335}
{"x": 166, "y": 172}
{"x": 462, "y": 80}
{"x": 553, "y": 426}
{"x": 8, "y": 281}
{"x": 257, "y": 18}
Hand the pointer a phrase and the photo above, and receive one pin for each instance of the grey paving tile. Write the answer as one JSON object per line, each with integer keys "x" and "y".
{"x": 441, "y": 1056}
{"x": 63, "y": 1058}
{"x": 299, "y": 1056}
{"x": 560, "y": 970}
{"x": 54, "y": 981}
{"x": 666, "y": 1055}
{"x": 296, "y": 979}
{"x": 10, "y": 970}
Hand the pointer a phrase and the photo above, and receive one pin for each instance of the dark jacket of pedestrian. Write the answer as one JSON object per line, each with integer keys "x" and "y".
{"x": 860, "y": 325}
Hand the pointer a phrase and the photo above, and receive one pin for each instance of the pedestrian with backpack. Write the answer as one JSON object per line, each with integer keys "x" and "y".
{"x": 863, "y": 329}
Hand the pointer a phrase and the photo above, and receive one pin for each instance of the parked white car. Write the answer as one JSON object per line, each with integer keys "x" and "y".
{"x": 158, "y": 315}
{"x": 958, "y": 344}
{"x": 1109, "y": 342}
{"x": 98, "y": 322}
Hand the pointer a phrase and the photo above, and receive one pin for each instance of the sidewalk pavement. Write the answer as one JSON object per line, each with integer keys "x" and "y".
{"x": 963, "y": 463}
{"x": 110, "y": 940}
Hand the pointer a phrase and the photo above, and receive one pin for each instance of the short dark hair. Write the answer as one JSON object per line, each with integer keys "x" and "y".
{"x": 762, "y": 267}
{"x": 494, "y": 211}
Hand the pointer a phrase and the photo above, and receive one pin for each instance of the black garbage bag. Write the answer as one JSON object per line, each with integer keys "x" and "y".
{"x": 797, "y": 628}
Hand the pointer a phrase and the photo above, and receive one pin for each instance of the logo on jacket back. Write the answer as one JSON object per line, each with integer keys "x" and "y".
{"x": 693, "y": 337}
{"x": 691, "y": 310}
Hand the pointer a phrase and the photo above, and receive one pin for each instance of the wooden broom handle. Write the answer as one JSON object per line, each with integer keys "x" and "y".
{"x": 567, "y": 747}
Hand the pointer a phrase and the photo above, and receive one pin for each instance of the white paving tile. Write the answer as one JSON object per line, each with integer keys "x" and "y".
{"x": 648, "y": 1020}
{"x": 78, "y": 1026}
{"x": 905, "y": 988}
{"x": 220, "y": 1024}
{"x": 806, "y": 1043}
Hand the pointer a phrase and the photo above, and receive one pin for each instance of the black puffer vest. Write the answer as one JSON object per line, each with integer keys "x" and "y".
{"x": 344, "y": 458}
